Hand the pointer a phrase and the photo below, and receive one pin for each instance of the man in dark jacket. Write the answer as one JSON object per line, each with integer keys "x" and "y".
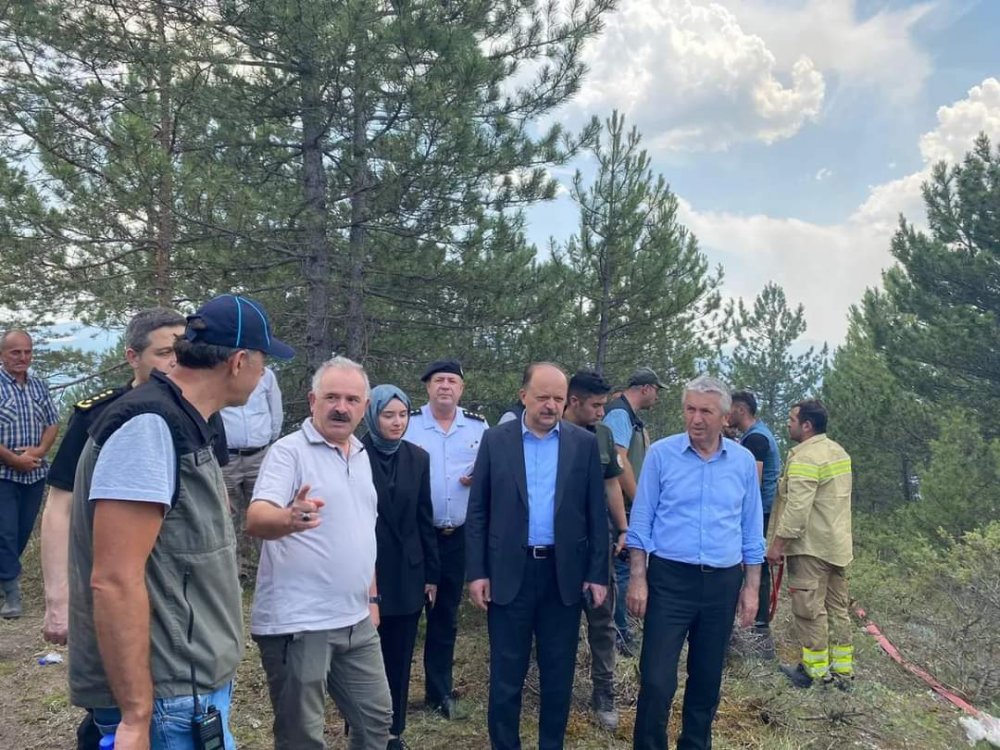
{"x": 537, "y": 548}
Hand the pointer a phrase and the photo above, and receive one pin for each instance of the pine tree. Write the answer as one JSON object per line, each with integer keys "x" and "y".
{"x": 762, "y": 359}
{"x": 641, "y": 288}
{"x": 941, "y": 333}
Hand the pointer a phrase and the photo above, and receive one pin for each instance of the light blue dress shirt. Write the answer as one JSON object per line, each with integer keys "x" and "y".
{"x": 453, "y": 455}
{"x": 541, "y": 463}
{"x": 258, "y": 422}
{"x": 695, "y": 510}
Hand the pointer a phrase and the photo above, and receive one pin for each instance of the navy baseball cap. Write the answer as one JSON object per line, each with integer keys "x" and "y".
{"x": 236, "y": 322}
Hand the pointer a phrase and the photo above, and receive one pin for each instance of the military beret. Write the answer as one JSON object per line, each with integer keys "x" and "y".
{"x": 452, "y": 366}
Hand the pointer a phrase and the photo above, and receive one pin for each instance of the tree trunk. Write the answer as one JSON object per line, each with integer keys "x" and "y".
{"x": 356, "y": 241}
{"x": 162, "y": 287}
{"x": 316, "y": 263}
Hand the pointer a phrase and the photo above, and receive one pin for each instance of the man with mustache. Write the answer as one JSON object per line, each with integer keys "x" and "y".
{"x": 537, "y": 550}
{"x": 451, "y": 436}
{"x": 315, "y": 609}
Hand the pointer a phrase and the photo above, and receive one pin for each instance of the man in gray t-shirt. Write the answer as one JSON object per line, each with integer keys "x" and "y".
{"x": 149, "y": 467}
{"x": 315, "y": 607}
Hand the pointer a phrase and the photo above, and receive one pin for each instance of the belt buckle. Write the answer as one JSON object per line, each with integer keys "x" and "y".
{"x": 707, "y": 569}
{"x": 447, "y": 530}
{"x": 535, "y": 553}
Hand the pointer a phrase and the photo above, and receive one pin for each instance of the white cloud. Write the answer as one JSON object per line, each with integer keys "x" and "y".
{"x": 959, "y": 124}
{"x": 877, "y": 51}
{"x": 824, "y": 174}
{"x": 701, "y": 75}
{"x": 828, "y": 267}
{"x": 691, "y": 78}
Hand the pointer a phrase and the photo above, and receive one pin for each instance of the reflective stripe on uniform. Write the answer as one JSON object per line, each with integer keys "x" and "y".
{"x": 836, "y": 469}
{"x": 809, "y": 471}
{"x": 842, "y": 661}
{"x": 816, "y": 662}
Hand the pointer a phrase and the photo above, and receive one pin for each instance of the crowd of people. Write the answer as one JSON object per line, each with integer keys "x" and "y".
{"x": 563, "y": 510}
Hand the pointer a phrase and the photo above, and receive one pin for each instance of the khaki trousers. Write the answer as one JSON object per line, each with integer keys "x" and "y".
{"x": 819, "y": 602}
{"x": 346, "y": 664}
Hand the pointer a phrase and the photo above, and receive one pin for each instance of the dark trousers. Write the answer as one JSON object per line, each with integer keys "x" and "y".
{"x": 442, "y": 620}
{"x": 398, "y": 633}
{"x": 19, "y": 504}
{"x": 685, "y": 602}
{"x": 763, "y": 618}
{"x": 601, "y": 637}
{"x": 537, "y": 611}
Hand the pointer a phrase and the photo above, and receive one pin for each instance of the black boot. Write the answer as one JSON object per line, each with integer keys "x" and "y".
{"x": 12, "y": 600}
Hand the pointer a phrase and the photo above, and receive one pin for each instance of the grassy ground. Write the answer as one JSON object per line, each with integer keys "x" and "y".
{"x": 887, "y": 709}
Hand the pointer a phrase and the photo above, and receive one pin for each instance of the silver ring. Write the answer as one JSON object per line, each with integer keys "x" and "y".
{"x": 306, "y": 517}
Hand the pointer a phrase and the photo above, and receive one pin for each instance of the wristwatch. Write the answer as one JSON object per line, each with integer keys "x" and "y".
{"x": 377, "y": 599}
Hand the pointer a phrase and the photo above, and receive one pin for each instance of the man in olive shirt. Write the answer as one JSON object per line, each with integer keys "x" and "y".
{"x": 588, "y": 393}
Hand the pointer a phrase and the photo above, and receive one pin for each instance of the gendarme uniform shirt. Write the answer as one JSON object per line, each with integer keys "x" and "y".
{"x": 813, "y": 509}
{"x": 453, "y": 454}
{"x": 25, "y": 411}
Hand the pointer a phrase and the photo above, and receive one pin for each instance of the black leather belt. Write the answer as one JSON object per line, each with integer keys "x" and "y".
{"x": 541, "y": 552}
{"x": 246, "y": 451}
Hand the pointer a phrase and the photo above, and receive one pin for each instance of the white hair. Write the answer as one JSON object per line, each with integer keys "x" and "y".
{"x": 337, "y": 362}
{"x": 708, "y": 384}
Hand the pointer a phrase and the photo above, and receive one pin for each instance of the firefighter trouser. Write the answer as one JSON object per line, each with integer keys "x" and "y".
{"x": 822, "y": 623}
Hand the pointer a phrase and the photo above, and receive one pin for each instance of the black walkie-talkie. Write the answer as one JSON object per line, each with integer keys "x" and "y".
{"x": 206, "y": 729}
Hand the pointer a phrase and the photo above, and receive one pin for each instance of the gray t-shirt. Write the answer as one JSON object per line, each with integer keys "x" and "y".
{"x": 138, "y": 462}
{"x": 316, "y": 579}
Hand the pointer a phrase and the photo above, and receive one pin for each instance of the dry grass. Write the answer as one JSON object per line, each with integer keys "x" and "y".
{"x": 887, "y": 709}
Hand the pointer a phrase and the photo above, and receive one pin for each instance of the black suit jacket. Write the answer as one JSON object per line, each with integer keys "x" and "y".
{"x": 407, "y": 556}
{"x": 496, "y": 525}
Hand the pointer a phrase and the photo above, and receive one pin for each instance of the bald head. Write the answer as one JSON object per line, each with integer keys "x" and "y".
{"x": 15, "y": 353}
{"x": 543, "y": 395}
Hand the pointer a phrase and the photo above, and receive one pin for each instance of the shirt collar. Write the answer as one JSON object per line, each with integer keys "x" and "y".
{"x": 686, "y": 445}
{"x": 430, "y": 423}
{"x": 814, "y": 439}
{"x": 526, "y": 431}
{"x": 11, "y": 379}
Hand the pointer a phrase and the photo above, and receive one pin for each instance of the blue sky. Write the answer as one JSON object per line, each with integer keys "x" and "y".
{"x": 794, "y": 131}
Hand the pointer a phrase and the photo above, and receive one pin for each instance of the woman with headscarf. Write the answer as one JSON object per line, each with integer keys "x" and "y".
{"x": 407, "y": 565}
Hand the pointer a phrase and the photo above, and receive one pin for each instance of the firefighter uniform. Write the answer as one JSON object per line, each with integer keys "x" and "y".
{"x": 813, "y": 514}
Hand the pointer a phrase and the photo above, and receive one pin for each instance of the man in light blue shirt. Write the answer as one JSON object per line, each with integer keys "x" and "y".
{"x": 697, "y": 522}
{"x": 541, "y": 460}
{"x": 250, "y": 429}
{"x": 451, "y": 435}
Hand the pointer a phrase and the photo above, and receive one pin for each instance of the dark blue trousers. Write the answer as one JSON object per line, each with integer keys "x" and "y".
{"x": 19, "y": 504}
{"x": 536, "y": 612}
{"x": 686, "y": 602}
{"x": 442, "y": 618}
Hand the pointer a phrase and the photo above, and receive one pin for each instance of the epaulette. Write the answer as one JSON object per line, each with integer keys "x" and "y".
{"x": 475, "y": 416}
{"x": 415, "y": 412}
{"x": 98, "y": 398}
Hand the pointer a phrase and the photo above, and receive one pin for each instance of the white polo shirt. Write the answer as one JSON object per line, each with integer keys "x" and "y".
{"x": 316, "y": 579}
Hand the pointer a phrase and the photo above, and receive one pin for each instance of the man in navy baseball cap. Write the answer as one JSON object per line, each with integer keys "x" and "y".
{"x": 151, "y": 469}
{"x": 236, "y": 322}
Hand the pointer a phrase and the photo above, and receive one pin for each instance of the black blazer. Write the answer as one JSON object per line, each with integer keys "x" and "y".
{"x": 407, "y": 556}
{"x": 496, "y": 525}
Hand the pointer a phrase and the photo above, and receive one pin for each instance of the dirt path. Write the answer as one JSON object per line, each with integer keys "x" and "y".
{"x": 34, "y": 702}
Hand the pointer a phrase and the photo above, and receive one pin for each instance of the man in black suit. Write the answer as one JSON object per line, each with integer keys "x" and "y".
{"x": 536, "y": 549}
